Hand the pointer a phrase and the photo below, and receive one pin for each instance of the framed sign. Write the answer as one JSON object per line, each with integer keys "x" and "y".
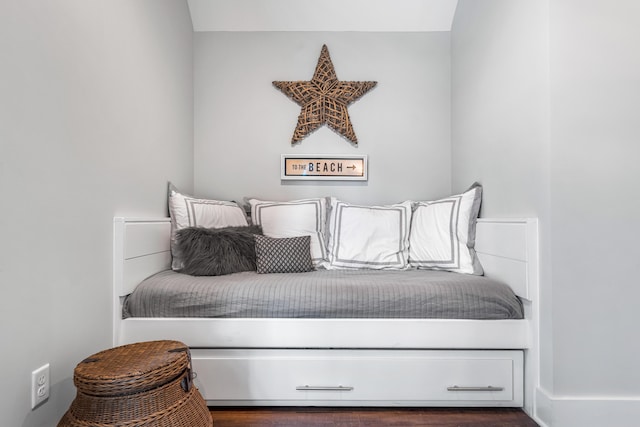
{"x": 323, "y": 167}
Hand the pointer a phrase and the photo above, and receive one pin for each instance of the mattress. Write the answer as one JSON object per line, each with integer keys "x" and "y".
{"x": 324, "y": 294}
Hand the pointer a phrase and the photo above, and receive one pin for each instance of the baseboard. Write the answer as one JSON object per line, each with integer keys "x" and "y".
{"x": 543, "y": 413}
{"x": 570, "y": 411}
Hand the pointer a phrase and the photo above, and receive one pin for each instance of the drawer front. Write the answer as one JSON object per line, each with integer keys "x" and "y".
{"x": 359, "y": 375}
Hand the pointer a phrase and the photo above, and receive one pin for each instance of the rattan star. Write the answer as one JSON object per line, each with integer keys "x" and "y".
{"x": 324, "y": 100}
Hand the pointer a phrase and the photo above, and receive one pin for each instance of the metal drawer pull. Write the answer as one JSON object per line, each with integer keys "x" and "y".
{"x": 321, "y": 388}
{"x": 489, "y": 388}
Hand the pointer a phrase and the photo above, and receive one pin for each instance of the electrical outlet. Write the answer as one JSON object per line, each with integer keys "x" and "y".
{"x": 39, "y": 385}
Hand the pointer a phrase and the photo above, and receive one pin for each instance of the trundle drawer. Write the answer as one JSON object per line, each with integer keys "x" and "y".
{"x": 411, "y": 377}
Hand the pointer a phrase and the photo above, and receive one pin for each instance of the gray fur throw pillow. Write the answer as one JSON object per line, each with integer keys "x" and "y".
{"x": 217, "y": 251}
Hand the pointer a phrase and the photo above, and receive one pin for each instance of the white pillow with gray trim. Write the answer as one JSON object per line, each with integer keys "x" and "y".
{"x": 187, "y": 211}
{"x": 305, "y": 217}
{"x": 443, "y": 233}
{"x": 369, "y": 237}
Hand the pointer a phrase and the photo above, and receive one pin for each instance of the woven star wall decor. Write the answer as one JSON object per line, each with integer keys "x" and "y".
{"x": 324, "y": 100}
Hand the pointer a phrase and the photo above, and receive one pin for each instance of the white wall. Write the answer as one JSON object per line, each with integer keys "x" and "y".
{"x": 500, "y": 124}
{"x": 545, "y": 95}
{"x": 595, "y": 131}
{"x": 500, "y": 103}
{"x": 96, "y": 115}
{"x": 243, "y": 124}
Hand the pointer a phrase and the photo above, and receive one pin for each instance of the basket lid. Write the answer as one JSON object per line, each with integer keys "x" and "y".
{"x": 132, "y": 368}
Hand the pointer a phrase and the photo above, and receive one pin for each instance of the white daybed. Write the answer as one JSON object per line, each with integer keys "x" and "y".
{"x": 349, "y": 362}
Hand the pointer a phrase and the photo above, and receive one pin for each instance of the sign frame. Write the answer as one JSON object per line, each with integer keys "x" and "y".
{"x": 329, "y": 167}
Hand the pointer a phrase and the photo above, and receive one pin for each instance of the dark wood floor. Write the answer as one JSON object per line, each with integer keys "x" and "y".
{"x": 369, "y": 417}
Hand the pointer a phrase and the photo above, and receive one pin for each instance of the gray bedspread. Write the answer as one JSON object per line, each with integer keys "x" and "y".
{"x": 325, "y": 294}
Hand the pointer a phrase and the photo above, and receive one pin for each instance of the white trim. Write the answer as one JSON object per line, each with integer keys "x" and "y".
{"x": 586, "y": 411}
{"x": 332, "y": 333}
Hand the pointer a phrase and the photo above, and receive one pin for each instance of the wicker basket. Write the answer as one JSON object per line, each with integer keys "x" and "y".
{"x": 142, "y": 384}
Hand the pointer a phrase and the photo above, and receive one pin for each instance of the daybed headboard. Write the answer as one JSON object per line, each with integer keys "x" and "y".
{"x": 507, "y": 249}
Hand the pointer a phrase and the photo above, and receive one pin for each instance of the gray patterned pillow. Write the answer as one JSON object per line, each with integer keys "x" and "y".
{"x": 283, "y": 255}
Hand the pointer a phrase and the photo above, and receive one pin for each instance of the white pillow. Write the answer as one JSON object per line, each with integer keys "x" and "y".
{"x": 443, "y": 233}
{"x": 368, "y": 237}
{"x": 186, "y": 211}
{"x": 306, "y": 217}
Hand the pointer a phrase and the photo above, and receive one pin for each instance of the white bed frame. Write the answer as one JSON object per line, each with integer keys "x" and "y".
{"x": 350, "y": 362}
